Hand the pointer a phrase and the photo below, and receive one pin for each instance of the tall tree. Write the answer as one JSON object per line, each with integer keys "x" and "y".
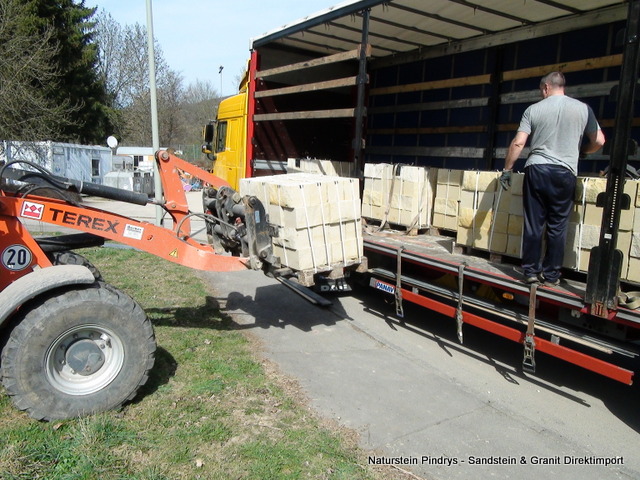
{"x": 76, "y": 60}
{"x": 27, "y": 71}
{"x": 123, "y": 68}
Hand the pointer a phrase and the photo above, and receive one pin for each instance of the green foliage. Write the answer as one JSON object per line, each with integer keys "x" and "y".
{"x": 75, "y": 62}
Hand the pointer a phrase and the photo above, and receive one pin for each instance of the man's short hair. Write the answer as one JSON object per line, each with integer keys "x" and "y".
{"x": 553, "y": 79}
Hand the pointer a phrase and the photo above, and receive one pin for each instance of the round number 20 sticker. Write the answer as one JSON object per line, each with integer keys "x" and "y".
{"x": 16, "y": 257}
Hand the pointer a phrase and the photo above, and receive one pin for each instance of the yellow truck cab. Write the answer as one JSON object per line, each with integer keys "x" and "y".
{"x": 225, "y": 139}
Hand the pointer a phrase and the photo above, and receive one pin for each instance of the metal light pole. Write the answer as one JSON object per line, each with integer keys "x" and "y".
{"x": 220, "y": 72}
{"x": 154, "y": 112}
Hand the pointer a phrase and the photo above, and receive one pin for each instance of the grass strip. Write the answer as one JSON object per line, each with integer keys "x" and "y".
{"x": 209, "y": 410}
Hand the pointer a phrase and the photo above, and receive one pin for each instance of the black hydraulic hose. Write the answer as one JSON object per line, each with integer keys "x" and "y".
{"x": 62, "y": 183}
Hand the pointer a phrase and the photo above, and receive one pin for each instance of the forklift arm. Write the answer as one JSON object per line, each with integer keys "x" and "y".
{"x": 172, "y": 245}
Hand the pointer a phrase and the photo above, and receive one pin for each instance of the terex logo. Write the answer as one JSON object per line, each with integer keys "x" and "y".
{"x": 94, "y": 223}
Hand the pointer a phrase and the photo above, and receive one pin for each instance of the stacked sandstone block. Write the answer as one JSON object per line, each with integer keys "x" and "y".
{"x": 317, "y": 218}
{"x": 320, "y": 167}
{"x": 586, "y": 218}
{"x": 401, "y": 195}
{"x": 445, "y": 206}
{"x": 480, "y": 225}
{"x": 633, "y": 273}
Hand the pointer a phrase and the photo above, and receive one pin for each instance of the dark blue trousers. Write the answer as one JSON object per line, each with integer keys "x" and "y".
{"x": 548, "y": 198}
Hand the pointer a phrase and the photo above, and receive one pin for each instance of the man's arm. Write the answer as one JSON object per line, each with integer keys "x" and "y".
{"x": 596, "y": 141}
{"x": 515, "y": 149}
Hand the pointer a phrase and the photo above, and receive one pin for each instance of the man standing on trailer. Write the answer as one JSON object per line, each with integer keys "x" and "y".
{"x": 556, "y": 124}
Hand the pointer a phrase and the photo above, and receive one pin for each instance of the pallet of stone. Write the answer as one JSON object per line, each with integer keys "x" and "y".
{"x": 316, "y": 219}
{"x": 585, "y": 222}
{"x": 480, "y": 224}
{"x": 399, "y": 195}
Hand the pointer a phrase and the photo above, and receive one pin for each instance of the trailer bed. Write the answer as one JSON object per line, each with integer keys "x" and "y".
{"x": 431, "y": 271}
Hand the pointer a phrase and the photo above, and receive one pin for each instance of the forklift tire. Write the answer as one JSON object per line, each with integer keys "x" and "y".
{"x": 67, "y": 257}
{"x": 77, "y": 352}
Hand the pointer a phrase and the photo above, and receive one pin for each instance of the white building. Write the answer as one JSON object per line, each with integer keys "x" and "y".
{"x": 88, "y": 163}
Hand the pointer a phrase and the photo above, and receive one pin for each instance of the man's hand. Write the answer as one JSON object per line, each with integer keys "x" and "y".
{"x": 505, "y": 179}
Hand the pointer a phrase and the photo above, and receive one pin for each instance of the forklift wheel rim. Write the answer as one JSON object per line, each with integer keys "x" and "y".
{"x": 84, "y": 360}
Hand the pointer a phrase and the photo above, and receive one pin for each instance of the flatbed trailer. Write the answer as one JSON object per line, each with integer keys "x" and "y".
{"x": 477, "y": 290}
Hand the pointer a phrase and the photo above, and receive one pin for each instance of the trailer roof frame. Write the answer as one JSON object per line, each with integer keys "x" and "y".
{"x": 437, "y": 27}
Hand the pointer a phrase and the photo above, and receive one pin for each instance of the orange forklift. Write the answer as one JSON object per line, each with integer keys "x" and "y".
{"x": 74, "y": 345}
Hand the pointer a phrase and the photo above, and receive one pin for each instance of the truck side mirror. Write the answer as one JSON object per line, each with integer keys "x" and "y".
{"x": 208, "y": 132}
{"x": 207, "y": 136}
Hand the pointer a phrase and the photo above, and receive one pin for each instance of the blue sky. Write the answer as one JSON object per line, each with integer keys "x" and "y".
{"x": 198, "y": 36}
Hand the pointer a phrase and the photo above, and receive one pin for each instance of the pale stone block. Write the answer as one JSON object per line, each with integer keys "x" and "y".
{"x": 571, "y": 248}
{"x": 342, "y": 211}
{"x": 517, "y": 182}
{"x": 373, "y": 198}
{"x": 481, "y": 238}
{"x": 633, "y": 271}
{"x": 631, "y": 189}
{"x": 446, "y": 222}
{"x": 305, "y": 259}
{"x": 378, "y": 170}
{"x": 593, "y": 186}
{"x": 592, "y": 214}
{"x": 467, "y": 199}
{"x": 451, "y": 192}
{"x": 477, "y": 181}
{"x": 445, "y": 206}
{"x": 478, "y": 219}
{"x": 514, "y": 246}
{"x": 498, "y": 242}
{"x": 589, "y": 236}
{"x": 624, "y": 245}
{"x": 516, "y": 225}
{"x": 446, "y": 176}
{"x": 323, "y": 167}
{"x": 464, "y": 236}
{"x": 500, "y": 222}
{"x": 504, "y": 199}
{"x": 465, "y": 217}
{"x": 585, "y": 257}
{"x": 485, "y": 200}
{"x": 636, "y": 219}
{"x": 516, "y": 207}
{"x": 634, "y": 249}
{"x": 577, "y": 214}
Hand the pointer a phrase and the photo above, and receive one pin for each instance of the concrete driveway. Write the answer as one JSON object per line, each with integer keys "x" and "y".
{"x": 433, "y": 407}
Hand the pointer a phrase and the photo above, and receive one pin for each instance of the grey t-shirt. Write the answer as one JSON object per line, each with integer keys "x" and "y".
{"x": 556, "y": 126}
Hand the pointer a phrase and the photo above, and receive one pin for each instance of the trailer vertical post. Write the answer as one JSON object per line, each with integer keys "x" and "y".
{"x": 605, "y": 264}
{"x": 360, "y": 113}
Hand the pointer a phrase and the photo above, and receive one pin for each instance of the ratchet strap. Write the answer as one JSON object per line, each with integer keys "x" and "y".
{"x": 630, "y": 300}
{"x": 398, "y": 294}
{"x": 529, "y": 362}
{"x": 459, "y": 316}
